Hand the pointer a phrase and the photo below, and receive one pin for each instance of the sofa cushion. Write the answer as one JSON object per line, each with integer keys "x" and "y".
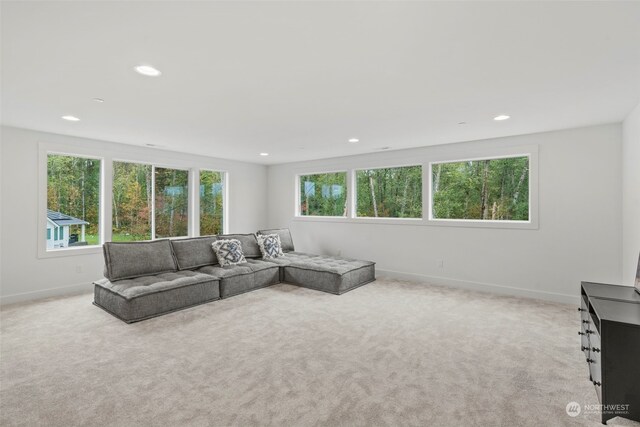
{"x": 240, "y": 278}
{"x": 194, "y": 252}
{"x": 124, "y": 260}
{"x": 140, "y": 298}
{"x": 270, "y": 246}
{"x": 228, "y": 252}
{"x": 285, "y": 237}
{"x": 249, "y": 243}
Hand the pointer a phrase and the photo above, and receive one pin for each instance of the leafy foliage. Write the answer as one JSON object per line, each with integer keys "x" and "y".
{"x": 390, "y": 192}
{"x": 132, "y": 200}
{"x": 494, "y": 189}
{"x": 211, "y": 188}
{"x": 323, "y": 194}
{"x": 73, "y": 188}
{"x": 171, "y": 202}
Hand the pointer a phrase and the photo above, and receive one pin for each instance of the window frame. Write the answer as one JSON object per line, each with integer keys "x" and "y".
{"x": 297, "y": 198}
{"x": 443, "y": 154}
{"x": 532, "y": 223}
{"x": 354, "y": 201}
{"x": 43, "y": 184}
{"x": 110, "y": 153}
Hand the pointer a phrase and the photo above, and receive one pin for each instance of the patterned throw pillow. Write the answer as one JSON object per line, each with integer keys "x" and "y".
{"x": 270, "y": 246}
{"x": 228, "y": 252}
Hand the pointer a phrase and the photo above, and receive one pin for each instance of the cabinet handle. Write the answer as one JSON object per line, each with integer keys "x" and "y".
{"x": 585, "y": 348}
{"x": 581, "y": 333}
{"x": 589, "y": 331}
{"x": 595, "y": 350}
{"x": 598, "y": 383}
{"x": 590, "y": 360}
{"x": 585, "y": 321}
{"x": 580, "y": 309}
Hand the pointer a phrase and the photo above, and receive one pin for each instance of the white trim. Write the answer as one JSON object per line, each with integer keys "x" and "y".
{"x": 106, "y": 193}
{"x": 79, "y": 288}
{"x": 153, "y": 203}
{"x": 225, "y": 202}
{"x": 481, "y": 287}
{"x": 193, "y": 202}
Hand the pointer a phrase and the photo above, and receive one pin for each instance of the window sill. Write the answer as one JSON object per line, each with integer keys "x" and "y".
{"x": 72, "y": 251}
{"x": 508, "y": 225}
{"x": 472, "y": 223}
{"x": 385, "y": 221}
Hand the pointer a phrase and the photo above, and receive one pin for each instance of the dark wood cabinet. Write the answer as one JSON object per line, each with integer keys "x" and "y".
{"x": 610, "y": 340}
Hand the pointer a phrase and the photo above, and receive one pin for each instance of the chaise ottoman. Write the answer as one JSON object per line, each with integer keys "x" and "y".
{"x": 335, "y": 275}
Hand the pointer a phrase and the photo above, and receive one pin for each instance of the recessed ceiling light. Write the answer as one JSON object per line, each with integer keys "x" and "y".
{"x": 501, "y": 117}
{"x": 71, "y": 118}
{"x": 147, "y": 70}
{"x": 462, "y": 123}
{"x": 100, "y": 100}
{"x": 264, "y": 154}
{"x": 354, "y": 140}
{"x": 385, "y": 148}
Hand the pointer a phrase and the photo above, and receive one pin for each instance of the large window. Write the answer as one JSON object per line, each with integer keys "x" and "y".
{"x": 144, "y": 201}
{"x": 132, "y": 202}
{"x": 171, "y": 202}
{"x": 323, "y": 194}
{"x": 211, "y": 200}
{"x": 73, "y": 201}
{"x": 389, "y": 192}
{"x": 487, "y": 189}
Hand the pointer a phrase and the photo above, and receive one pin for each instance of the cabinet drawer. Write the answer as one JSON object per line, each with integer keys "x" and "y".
{"x": 584, "y": 319}
{"x": 595, "y": 364}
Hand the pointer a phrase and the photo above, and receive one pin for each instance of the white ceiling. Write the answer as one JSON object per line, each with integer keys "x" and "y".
{"x": 298, "y": 79}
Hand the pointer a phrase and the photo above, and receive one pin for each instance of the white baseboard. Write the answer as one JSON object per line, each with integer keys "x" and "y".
{"x": 442, "y": 281}
{"x": 47, "y": 293}
{"x": 482, "y": 287}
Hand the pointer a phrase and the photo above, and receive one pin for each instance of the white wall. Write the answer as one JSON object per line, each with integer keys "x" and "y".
{"x": 631, "y": 195}
{"x": 24, "y": 275}
{"x": 579, "y": 234}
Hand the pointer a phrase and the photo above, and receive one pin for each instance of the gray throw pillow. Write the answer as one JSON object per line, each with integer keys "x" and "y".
{"x": 270, "y": 246}
{"x": 285, "y": 237}
{"x": 228, "y": 252}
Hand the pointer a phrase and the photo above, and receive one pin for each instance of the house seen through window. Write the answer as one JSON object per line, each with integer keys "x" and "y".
{"x": 73, "y": 201}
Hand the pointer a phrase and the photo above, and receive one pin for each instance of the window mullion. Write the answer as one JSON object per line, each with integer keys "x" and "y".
{"x": 153, "y": 202}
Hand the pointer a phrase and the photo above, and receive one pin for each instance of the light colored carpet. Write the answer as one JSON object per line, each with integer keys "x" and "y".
{"x": 389, "y": 353}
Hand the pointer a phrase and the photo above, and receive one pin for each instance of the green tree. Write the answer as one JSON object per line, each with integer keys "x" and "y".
{"x": 211, "y": 196}
{"x": 495, "y": 189}
{"x": 323, "y": 194}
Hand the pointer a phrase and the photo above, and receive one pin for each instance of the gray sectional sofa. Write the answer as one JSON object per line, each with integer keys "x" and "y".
{"x": 148, "y": 279}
